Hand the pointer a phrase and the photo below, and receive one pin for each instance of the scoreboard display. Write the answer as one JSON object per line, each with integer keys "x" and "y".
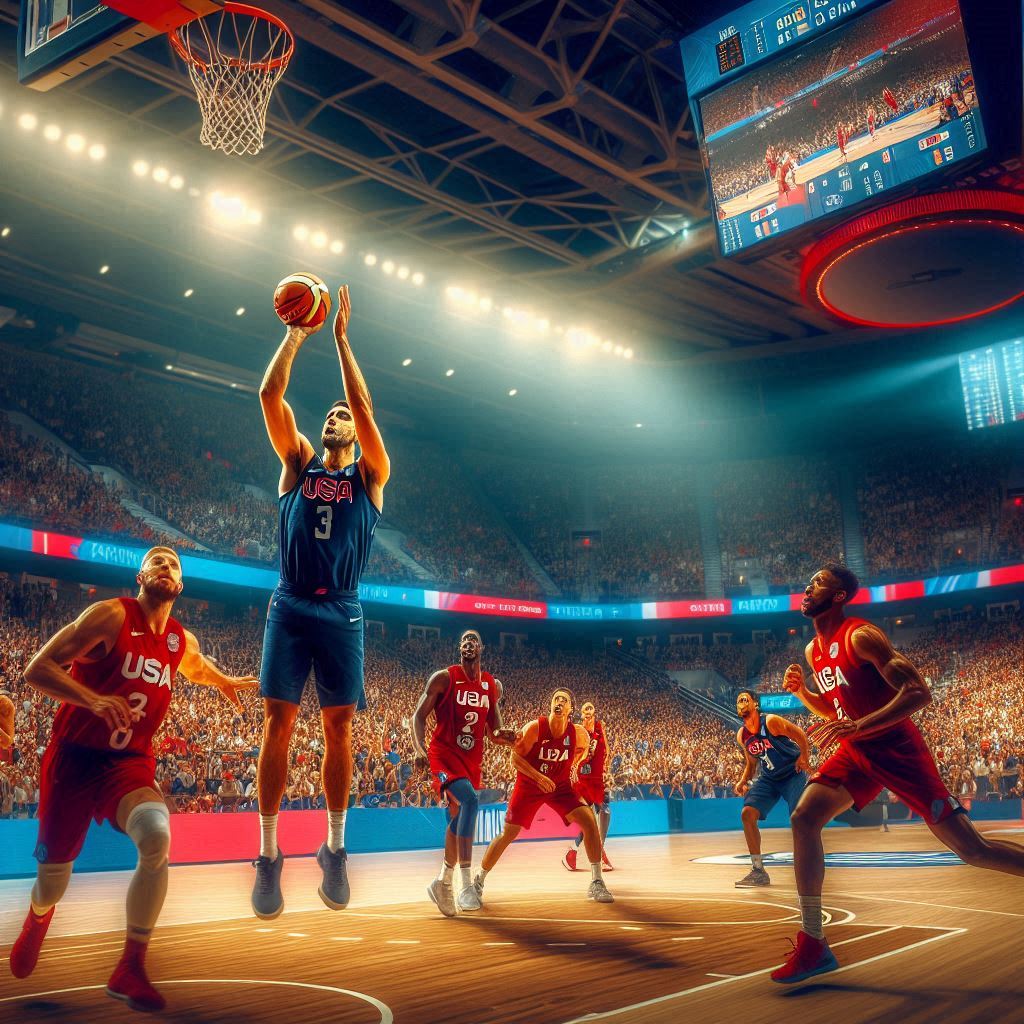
{"x": 992, "y": 379}
{"x": 806, "y": 109}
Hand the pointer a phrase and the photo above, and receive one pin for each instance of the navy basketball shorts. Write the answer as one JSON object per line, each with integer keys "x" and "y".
{"x": 765, "y": 793}
{"x": 325, "y": 634}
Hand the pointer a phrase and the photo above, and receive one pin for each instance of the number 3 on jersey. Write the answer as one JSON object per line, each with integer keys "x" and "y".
{"x": 326, "y": 514}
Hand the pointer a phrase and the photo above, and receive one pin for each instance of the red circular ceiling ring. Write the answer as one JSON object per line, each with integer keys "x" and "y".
{"x": 922, "y": 261}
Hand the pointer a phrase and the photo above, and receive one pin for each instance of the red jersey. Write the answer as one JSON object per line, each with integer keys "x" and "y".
{"x": 140, "y": 667}
{"x": 457, "y": 746}
{"x": 855, "y": 688}
{"x": 551, "y": 756}
{"x": 597, "y": 754}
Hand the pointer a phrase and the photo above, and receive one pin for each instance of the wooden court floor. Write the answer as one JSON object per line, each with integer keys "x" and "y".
{"x": 916, "y": 944}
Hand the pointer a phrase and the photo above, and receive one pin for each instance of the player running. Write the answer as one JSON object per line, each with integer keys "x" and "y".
{"x": 868, "y": 692}
{"x": 591, "y": 785}
{"x": 113, "y": 669}
{"x": 547, "y": 756}
{"x": 781, "y": 749}
{"x": 464, "y": 700}
{"x": 330, "y": 505}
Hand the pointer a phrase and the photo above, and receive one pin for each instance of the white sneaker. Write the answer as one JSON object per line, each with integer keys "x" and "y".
{"x": 469, "y": 898}
{"x": 598, "y": 892}
{"x": 478, "y": 884}
{"x": 443, "y": 895}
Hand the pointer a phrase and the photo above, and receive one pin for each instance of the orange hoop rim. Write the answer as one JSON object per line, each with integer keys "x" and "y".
{"x": 256, "y": 13}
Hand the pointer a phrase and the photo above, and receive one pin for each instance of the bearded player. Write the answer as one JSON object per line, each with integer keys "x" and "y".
{"x": 464, "y": 700}
{"x": 591, "y": 784}
{"x": 329, "y": 507}
{"x": 113, "y": 669}
{"x": 867, "y": 692}
{"x": 547, "y": 756}
{"x": 780, "y": 749}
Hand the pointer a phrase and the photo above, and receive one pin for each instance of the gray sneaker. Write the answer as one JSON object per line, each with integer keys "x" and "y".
{"x": 444, "y": 896}
{"x": 334, "y": 889}
{"x": 478, "y": 884}
{"x": 753, "y": 879}
{"x": 267, "y": 900}
{"x": 469, "y": 898}
{"x": 598, "y": 892}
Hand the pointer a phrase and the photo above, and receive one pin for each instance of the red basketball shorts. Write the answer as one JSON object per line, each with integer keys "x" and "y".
{"x": 899, "y": 761}
{"x": 591, "y": 790}
{"x": 448, "y": 765}
{"x": 526, "y": 801}
{"x": 78, "y": 784}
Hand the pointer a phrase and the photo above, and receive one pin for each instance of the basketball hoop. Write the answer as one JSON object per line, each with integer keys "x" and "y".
{"x": 234, "y": 63}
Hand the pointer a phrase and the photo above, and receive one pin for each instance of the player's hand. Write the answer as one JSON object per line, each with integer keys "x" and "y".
{"x": 114, "y": 710}
{"x": 803, "y": 764}
{"x": 229, "y": 690}
{"x": 300, "y": 334}
{"x": 504, "y": 737}
{"x": 344, "y": 314}
{"x": 829, "y": 733}
{"x": 574, "y": 776}
{"x": 793, "y": 680}
{"x": 740, "y": 789}
{"x": 545, "y": 784}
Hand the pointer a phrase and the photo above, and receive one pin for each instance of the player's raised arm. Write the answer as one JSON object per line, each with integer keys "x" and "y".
{"x": 376, "y": 463}
{"x": 292, "y": 448}
{"x": 90, "y": 636}
{"x": 432, "y": 693}
{"x": 197, "y": 668}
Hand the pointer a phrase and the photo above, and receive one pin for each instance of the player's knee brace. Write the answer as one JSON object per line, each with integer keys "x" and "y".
{"x": 149, "y": 826}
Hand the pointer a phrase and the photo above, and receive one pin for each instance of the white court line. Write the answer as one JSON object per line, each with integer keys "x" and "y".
{"x": 298, "y": 935}
{"x": 346, "y": 938}
{"x": 922, "y": 903}
{"x": 386, "y": 1016}
{"x": 499, "y": 943}
{"x": 609, "y": 1014}
{"x": 402, "y": 942}
{"x": 688, "y": 938}
{"x": 556, "y": 944}
{"x": 630, "y": 928}
{"x": 721, "y": 975}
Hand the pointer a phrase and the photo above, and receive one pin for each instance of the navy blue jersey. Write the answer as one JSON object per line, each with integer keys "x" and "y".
{"x": 326, "y": 528}
{"x": 778, "y": 754}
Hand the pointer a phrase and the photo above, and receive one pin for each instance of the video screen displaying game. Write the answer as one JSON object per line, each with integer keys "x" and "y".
{"x": 875, "y": 103}
{"x": 993, "y": 384}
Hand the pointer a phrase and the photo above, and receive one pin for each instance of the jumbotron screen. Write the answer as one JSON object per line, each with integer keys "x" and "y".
{"x": 993, "y": 384}
{"x": 875, "y": 103}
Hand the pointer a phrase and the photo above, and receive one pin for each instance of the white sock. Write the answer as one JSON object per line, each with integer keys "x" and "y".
{"x": 465, "y": 871}
{"x": 335, "y": 830}
{"x": 268, "y": 836}
{"x": 447, "y": 871}
{"x": 595, "y": 871}
{"x": 757, "y": 861}
{"x": 810, "y": 912}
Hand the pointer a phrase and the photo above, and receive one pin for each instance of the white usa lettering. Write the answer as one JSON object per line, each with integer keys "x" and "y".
{"x": 472, "y": 699}
{"x": 149, "y": 670}
{"x": 547, "y": 754}
{"x": 829, "y": 678}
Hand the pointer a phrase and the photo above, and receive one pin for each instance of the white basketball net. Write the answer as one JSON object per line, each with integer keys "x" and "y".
{"x": 234, "y": 59}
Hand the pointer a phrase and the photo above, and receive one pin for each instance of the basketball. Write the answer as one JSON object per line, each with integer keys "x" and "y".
{"x": 302, "y": 300}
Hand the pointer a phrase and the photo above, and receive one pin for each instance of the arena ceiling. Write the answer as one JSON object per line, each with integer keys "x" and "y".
{"x": 541, "y": 151}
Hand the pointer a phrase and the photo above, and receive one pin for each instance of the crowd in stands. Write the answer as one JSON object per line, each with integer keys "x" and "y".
{"x": 780, "y": 80}
{"x": 781, "y": 513}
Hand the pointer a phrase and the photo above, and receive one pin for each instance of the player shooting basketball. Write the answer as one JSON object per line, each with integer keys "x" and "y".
{"x": 330, "y": 505}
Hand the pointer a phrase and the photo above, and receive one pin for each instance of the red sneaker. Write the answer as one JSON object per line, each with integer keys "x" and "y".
{"x": 605, "y": 862}
{"x": 569, "y": 860}
{"x": 810, "y": 956}
{"x": 130, "y": 984}
{"x": 25, "y": 952}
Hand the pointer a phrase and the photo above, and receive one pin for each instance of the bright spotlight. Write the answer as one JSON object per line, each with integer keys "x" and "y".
{"x": 104, "y": 269}
{"x": 417, "y": 279}
{"x": 169, "y": 366}
{"x": 337, "y": 247}
{"x": 140, "y": 168}
{"x": 251, "y": 216}
{"x": 161, "y": 174}
{"x": 28, "y": 121}
{"x": 75, "y": 142}
{"x": 229, "y": 208}
{"x": 370, "y": 260}
{"x": 240, "y": 311}
{"x": 618, "y": 350}
{"x": 388, "y": 266}
{"x": 639, "y": 425}
{"x": 177, "y": 182}
{"x": 97, "y": 151}
{"x": 300, "y": 232}
{"x": 449, "y": 373}
{"x": 407, "y": 362}
{"x": 606, "y": 346}
{"x": 627, "y": 353}
{"x": 5, "y": 232}
{"x": 513, "y": 392}
{"x": 52, "y": 133}
{"x": 543, "y": 324}
{"x": 319, "y": 239}
{"x": 403, "y": 273}
{"x": 189, "y": 292}
{"x": 485, "y": 304}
